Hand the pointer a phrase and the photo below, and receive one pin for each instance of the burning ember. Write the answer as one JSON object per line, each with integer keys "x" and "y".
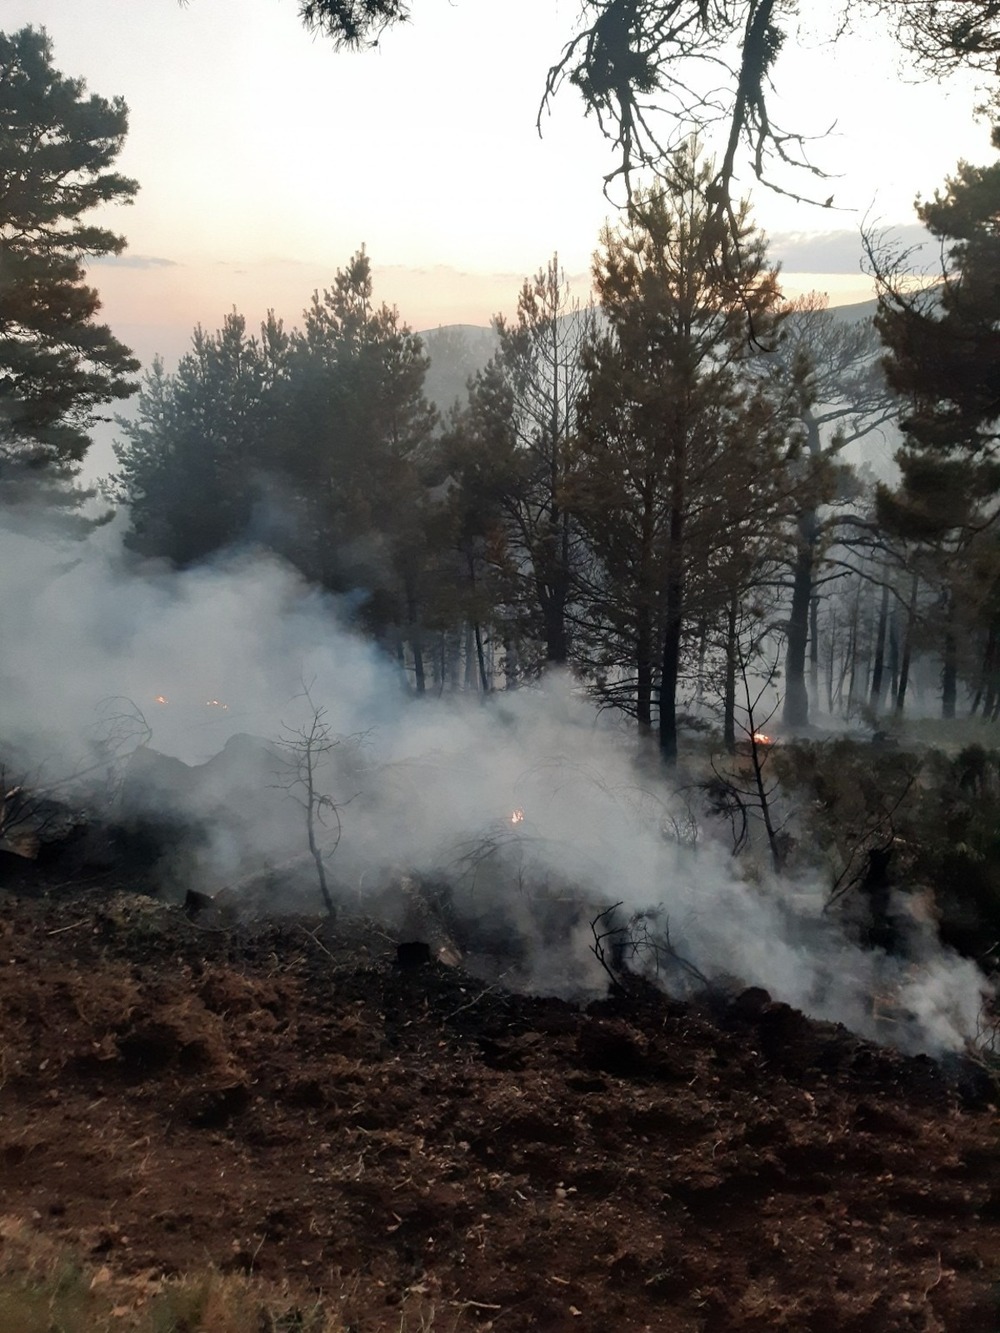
{"x": 517, "y": 817}
{"x": 161, "y": 699}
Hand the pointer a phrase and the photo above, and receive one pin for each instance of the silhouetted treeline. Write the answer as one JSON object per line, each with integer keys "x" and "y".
{"x": 652, "y": 491}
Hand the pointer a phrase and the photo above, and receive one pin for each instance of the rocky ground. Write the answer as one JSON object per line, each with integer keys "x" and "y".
{"x": 283, "y": 1098}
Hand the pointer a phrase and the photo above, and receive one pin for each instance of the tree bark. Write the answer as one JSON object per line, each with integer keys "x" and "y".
{"x": 853, "y": 690}
{"x": 644, "y": 620}
{"x": 673, "y": 606}
{"x": 987, "y": 688}
{"x": 470, "y": 657}
{"x": 875, "y": 698}
{"x": 416, "y": 639}
{"x": 893, "y": 654}
{"x": 729, "y": 700}
{"x": 904, "y": 665}
{"x": 949, "y": 672}
{"x": 557, "y": 537}
{"x": 481, "y": 659}
{"x": 796, "y": 706}
{"x": 644, "y": 671}
{"x": 512, "y": 667}
{"x": 553, "y": 602}
{"x": 702, "y": 657}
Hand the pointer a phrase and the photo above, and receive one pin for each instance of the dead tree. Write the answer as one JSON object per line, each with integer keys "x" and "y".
{"x": 643, "y": 940}
{"x": 732, "y": 791}
{"x": 305, "y": 749}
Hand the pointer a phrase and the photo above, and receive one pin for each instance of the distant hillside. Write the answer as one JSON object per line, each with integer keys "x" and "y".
{"x": 857, "y": 311}
{"x": 456, "y": 351}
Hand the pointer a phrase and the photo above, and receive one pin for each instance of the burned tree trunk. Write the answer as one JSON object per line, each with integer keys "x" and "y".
{"x": 796, "y": 705}
{"x": 729, "y": 701}
{"x": 674, "y": 617}
{"x": 904, "y": 665}
{"x": 875, "y": 698}
{"x": 949, "y": 666}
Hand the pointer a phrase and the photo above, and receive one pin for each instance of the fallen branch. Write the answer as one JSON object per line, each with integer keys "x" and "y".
{"x": 59, "y": 930}
{"x": 476, "y": 998}
{"x": 597, "y": 948}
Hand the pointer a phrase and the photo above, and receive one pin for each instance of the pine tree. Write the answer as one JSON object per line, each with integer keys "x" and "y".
{"x": 351, "y": 441}
{"x": 678, "y": 448}
{"x": 944, "y": 342}
{"x": 57, "y": 364}
{"x": 191, "y": 461}
{"x": 840, "y": 397}
{"x": 944, "y": 362}
{"x": 314, "y": 443}
{"x": 535, "y": 380}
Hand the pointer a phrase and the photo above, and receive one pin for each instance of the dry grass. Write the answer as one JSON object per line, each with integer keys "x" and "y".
{"x": 43, "y": 1290}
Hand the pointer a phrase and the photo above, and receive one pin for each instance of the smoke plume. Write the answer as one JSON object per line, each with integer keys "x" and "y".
{"x": 531, "y": 806}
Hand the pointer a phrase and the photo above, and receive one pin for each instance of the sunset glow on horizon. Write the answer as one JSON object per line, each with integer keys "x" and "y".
{"x": 266, "y": 159}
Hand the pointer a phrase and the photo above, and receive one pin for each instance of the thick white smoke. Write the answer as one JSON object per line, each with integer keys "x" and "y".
{"x": 432, "y": 786}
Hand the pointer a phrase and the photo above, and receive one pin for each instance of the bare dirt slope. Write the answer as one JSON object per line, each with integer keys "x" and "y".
{"x": 283, "y": 1098}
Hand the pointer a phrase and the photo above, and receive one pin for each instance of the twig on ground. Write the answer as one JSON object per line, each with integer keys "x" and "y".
{"x": 75, "y": 925}
{"x": 476, "y": 998}
{"x": 319, "y": 945}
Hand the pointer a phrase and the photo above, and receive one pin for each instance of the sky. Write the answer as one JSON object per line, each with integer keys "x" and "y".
{"x": 266, "y": 159}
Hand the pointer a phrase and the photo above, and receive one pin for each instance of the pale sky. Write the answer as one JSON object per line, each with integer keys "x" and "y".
{"x": 266, "y": 159}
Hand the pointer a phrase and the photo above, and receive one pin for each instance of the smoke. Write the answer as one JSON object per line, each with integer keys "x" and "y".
{"x": 424, "y": 787}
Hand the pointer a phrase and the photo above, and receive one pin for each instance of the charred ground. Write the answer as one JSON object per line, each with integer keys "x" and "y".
{"x": 282, "y": 1098}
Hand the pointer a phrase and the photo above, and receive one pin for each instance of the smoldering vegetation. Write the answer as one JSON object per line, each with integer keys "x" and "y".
{"x": 179, "y": 707}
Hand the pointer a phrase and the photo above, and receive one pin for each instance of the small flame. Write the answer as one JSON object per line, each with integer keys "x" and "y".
{"x": 517, "y": 817}
{"x": 161, "y": 699}
{"x": 759, "y": 738}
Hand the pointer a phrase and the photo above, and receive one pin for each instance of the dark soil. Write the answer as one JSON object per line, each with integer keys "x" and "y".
{"x": 284, "y": 1098}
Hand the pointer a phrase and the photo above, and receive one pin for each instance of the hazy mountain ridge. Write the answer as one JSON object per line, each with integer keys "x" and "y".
{"x": 458, "y": 351}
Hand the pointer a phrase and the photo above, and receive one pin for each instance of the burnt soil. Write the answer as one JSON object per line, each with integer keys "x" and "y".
{"x": 282, "y": 1097}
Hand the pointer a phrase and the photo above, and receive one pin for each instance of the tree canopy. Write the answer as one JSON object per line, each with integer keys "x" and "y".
{"x": 310, "y": 442}
{"x": 57, "y": 364}
{"x": 943, "y": 342}
{"x": 943, "y": 356}
{"x": 680, "y": 443}
{"x": 353, "y": 23}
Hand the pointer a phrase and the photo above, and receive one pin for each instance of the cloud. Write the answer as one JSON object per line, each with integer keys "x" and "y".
{"x": 132, "y": 261}
{"x": 839, "y": 251}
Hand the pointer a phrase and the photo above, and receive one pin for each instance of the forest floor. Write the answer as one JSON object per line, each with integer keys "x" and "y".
{"x": 421, "y": 1151}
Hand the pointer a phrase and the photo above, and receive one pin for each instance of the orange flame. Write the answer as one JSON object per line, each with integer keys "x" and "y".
{"x": 161, "y": 699}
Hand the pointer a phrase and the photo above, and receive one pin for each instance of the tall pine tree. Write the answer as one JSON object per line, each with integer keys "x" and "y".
{"x": 944, "y": 361}
{"x": 678, "y": 446}
{"x": 57, "y": 364}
